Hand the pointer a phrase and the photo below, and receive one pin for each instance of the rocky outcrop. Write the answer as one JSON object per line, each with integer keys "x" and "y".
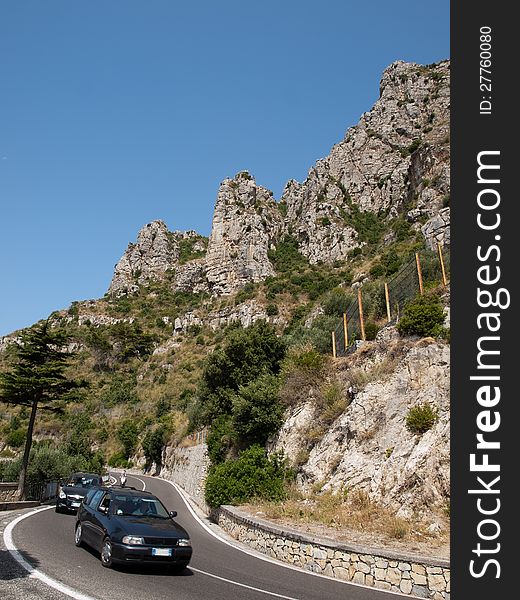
{"x": 369, "y": 446}
{"x": 246, "y": 223}
{"x": 156, "y": 252}
{"x": 393, "y": 164}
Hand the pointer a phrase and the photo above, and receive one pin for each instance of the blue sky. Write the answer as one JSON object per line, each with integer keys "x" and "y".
{"x": 115, "y": 113}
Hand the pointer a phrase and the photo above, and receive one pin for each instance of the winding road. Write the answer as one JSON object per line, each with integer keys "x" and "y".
{"x": 218, "y": 570}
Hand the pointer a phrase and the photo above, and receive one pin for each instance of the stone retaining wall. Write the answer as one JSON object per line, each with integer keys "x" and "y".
{"x": 8, "y": 492}
{"x": 188, "y": 468}
{"x": 417, "y": 576}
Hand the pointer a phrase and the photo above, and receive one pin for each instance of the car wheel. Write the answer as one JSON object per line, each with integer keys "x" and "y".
{"x": 78, "y": 535}
{"x": 57, "y": 509}
{"x": 106, "y": 553}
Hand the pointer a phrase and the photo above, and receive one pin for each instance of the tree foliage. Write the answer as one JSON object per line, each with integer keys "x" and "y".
{"x": 246, "y": 355}
{"x": 252, "y": 475}
{"x": 127, "y": 434}
{"x": 37, "y": 379}
{"x": 153, "y": 443}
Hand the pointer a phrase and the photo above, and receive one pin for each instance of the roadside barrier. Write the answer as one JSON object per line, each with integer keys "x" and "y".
{"x": 419, "y": 273}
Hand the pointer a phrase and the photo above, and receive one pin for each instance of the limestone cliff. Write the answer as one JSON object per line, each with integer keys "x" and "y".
{"x": 369, "y": 446}
{"x": 246, "y": 223}
{"x": 393, "y": 164}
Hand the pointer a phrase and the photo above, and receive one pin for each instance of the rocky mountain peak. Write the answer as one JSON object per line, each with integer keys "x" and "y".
{"x": 392, "y": 166}
{"x": 246, "y": 223}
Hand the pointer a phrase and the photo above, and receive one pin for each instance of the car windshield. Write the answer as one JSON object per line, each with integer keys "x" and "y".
{"x": 83, "y": 481}
{"x": 138, "y": 506}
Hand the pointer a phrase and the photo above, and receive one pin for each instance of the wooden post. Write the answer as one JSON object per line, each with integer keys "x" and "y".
{"x": 441, "y": 260}
{"x": 361, "y": 320}
{"x": 333, "y": 344}
{"x": 387, "y": 300}
{"x": 345, "y": 330}
{"x": 419, "y": 273}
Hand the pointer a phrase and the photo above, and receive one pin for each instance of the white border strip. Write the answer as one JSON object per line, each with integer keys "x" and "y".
{"x": 33, "y": 571}
{"x": 243, "y": 585}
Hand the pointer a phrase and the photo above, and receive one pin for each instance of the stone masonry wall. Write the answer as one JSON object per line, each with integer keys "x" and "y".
{"x": 8, "y": 492}
{"x": 187, "y": 467}
{"x": 417, "y": 576}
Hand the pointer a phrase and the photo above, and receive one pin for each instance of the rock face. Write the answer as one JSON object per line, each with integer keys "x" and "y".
{"x": 395, "y": 161}
{"x": 154, "y": 253}
{"x": 369, "y": 446}
{"x": 246, "y": 224}
{"x": 393, "y": 164}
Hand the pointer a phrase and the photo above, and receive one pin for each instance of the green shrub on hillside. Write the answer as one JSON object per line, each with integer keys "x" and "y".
{"x": 153, "y": 443}
{"x": 286, "y": 256}
{"x": 257, "y": 411}
{"x": 127, "y": 434}
{"x": 422, "y": 316}
{"x": 251, "y": 475}
{"x": 16, "y": 438}
{"x": 246, "y": 355}
{"x": 318, "y": 334}
{"x": 371, "y": 330}
{"x": 220, "y": 440}
{"x": 337, "y": 301}
{"x": 421, "y": 418}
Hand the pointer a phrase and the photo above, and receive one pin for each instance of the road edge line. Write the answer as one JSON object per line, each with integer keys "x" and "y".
{"x": 34, "y": 572}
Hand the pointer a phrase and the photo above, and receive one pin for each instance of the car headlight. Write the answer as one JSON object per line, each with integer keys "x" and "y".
{"x": 184, "y": 542}
{"x": 62, "y": 494}
{"x": 133, "y": 540}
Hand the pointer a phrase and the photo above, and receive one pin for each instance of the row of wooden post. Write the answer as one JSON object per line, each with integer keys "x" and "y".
{"x": 387, "y": 301}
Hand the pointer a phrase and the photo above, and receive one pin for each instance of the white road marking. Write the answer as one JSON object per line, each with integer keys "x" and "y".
{"x": 57, "y": 585}
{"x": 249, "y": 587}
{"x": 33, "y": 571}
{"x": 140, "y": 480}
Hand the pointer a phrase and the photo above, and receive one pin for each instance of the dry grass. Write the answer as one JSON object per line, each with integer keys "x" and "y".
{"x": 344, "y": 515}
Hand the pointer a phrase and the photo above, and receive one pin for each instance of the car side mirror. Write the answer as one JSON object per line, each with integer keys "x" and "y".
{"x": 173, "y": 513}
{"x": 103, "y": 509}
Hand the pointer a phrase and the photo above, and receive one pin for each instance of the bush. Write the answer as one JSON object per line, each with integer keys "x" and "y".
{"x": 127, "y": 434}
{"x": 153, "y": 444}
{"x": 371, "y": 330}
{"x": 247, "y": 354}
{"x": 257, "y": 411}
{"x": 337, "y": 302}
{"x": 286, "y": 256}
{"x": 16, "y": 438}
{"x": 120, "y": 391}
{"x": 421, "y": 418}
{"x": 252, "y": 475}
{"x": 220, "y": 440}
{"x": 48, "y": 463}
{"x": 423, "y": 316}
{"x": 271, "y": 310}
{"x": 118, "y": 459}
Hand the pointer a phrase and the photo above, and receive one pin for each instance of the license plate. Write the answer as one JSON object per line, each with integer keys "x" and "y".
{"x": 161, "y": 551}
{"x": 75, "y": 504}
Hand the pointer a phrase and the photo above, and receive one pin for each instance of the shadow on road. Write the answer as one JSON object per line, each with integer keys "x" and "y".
{"x": 142, "y": 569}
{"x": 10, "y": 569}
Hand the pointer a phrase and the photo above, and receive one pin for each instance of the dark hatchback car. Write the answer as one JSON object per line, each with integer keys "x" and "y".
{"x": 130, "y": 526}
{"x": 72, "y": 491}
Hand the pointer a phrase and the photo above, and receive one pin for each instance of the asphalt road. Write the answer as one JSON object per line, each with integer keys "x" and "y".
{"x": 217, "y": 571}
